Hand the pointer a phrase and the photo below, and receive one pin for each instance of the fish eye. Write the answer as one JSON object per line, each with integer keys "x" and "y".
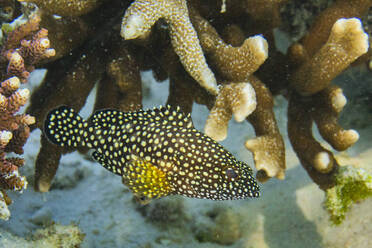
{"x": 231, "y": 173}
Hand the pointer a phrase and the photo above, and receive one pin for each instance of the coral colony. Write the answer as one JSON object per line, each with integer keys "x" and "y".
{"x": 23, "y": 48}
{"x": 221, "y": 54}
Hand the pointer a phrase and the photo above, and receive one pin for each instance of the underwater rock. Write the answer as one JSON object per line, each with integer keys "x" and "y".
{"x": 58, "y": 236}
{"x": 53, "y": 236}
{"x": 164, "y": 212}
{"x": 221, "y": 226}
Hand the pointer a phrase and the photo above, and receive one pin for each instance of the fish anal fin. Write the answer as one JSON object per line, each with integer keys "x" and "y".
{"x": 145, "y": 180}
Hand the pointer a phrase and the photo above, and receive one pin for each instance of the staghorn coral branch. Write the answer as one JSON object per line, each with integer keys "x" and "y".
{"x": 319, "y": 31}
{"x": 14, "y": 132}
{"x": 268, "y": 148}
{"x": 10, "y": 85}
{"x": 46, "y": 164}
{"x": 22, "y": 59}
{"x": 325, "y": 110}
{"x": 122, "y": 88}
{"x": 183, "y": 90}
{"x": 345, "y": 44}
{"x": 318, "y": 161}
{"x": 79, "y": 76}
{"x": 142, "y": 15}
{"x": 36, "y": 49}
{"x": 235, "y": 98}
{"x": 233, "y": 63}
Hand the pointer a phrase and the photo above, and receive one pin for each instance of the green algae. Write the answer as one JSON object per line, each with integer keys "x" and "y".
{"x": 352, "y": 186}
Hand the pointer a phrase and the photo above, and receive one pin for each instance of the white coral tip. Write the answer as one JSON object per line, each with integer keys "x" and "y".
{"x": 260, "y": 43}
{"x": 29, "y": 120}
{"x": 247, "y": 103}
{"x": 352, "y": 135}
{"x": 208, "y": 81}
{"x": 5, "y": 137}
{"x": 353, "y": 27}
{"x": 338, "y": 101}
{"x": 24, "y": 93}
{"x": 15, "y": 57}
{"x": 218, "y": 133}
{"x": 44, "y": 43}
{"x": 3, "y": 100}
{"x": 131, "y": 28}
{"x": 322, "y": 162}
{"x": 50, "y": 52}
{"x": 14, "y": 83}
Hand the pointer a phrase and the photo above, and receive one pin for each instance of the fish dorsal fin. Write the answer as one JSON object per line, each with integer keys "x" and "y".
{"x": 145, "y": 180}
{"x": 170, "y": 115}
{"x": 167, "y": 115}
{"x": 106, "y": 117}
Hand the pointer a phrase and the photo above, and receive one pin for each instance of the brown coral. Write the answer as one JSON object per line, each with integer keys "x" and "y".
{"x": 142, "y": 14}
{"x": 236, "y": 98}
{"x": 66, "y": 7}
{"x": 347, "y": 41}
{"x": 14, "y": 132}
{"x": 232, "y": 62}
{"x": 19, "y": 55}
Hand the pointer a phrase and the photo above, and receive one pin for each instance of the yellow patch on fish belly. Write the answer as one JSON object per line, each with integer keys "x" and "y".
{"x": 145, "y": 179}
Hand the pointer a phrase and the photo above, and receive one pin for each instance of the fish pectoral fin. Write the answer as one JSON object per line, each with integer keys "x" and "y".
{"x": 145, "y": 180}
{"x": 105, "y": 162}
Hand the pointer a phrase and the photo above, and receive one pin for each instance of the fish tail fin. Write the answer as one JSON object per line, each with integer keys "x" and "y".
{"x": 64, "y": 127}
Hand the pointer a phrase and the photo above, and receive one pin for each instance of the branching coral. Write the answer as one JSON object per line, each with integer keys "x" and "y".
{"x": 233, "y": 63}
{"x": 237, "y": 98}
{"x": 142, "y": 14}
{"x": 323, "y": 107}
{"x": 232, "y": 56}
{"x": 268, "y": 147}
{"x": 22, "y": 54}
{"x": 347, "y": 41}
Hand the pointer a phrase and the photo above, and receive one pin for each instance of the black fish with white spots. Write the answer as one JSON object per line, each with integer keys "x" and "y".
{"x": 157, "y": 152}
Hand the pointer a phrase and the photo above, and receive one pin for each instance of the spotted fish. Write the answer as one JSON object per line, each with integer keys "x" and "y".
{"x": 157, "y": 152}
